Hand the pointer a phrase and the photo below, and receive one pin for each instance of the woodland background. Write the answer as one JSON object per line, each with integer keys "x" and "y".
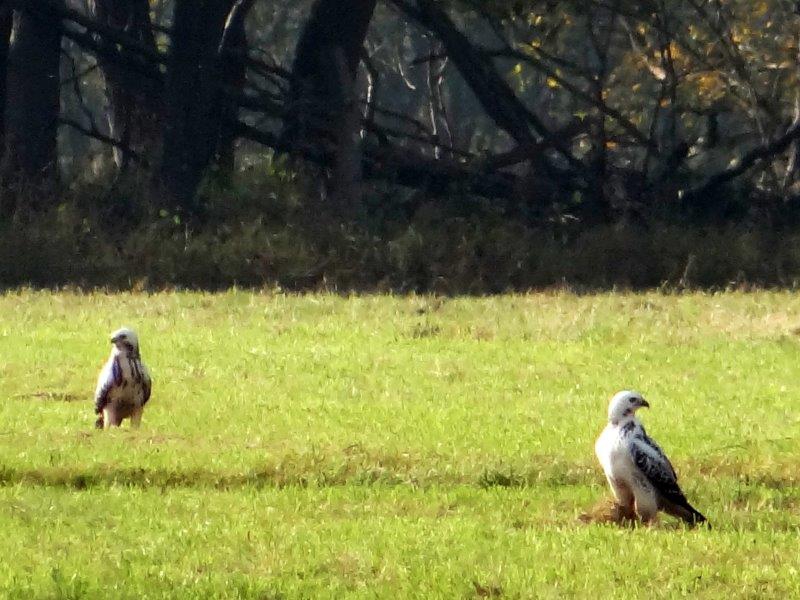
{"x": 454, "y": 146}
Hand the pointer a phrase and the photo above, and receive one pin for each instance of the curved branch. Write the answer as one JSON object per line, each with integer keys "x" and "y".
{"x": 492, "y": 91}
{"x": 94, "y": 133}
{"x": 740, "y": 166}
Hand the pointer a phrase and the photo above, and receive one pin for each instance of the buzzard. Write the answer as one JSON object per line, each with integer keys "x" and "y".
{"x": 124, "y": 385}
{"x": 640, "y": 475}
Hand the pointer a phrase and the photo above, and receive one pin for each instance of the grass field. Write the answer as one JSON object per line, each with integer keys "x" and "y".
{"x": 395, "y": 447}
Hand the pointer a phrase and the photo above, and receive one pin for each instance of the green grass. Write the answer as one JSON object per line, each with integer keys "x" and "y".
{"x": 395, "y": 447}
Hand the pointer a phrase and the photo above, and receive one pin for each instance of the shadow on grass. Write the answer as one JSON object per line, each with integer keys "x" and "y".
{"x": 740, "y": 491}
{"x": 168, "y": 479}
{"x": 277, "y": 476}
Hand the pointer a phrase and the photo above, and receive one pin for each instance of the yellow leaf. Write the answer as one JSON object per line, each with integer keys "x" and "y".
{"x": 552, "y": 83}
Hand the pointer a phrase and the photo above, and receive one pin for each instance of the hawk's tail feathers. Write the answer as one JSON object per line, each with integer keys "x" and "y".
{"x": 686, "y": 512}
{"x": 698, "y": 517}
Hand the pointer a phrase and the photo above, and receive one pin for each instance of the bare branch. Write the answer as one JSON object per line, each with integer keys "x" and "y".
{"x": 94, "y": 133}
{"x": 767, "y": 151}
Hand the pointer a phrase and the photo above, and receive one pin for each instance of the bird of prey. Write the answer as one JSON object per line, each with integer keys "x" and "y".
{"x": 640, "y": 475}
{"x": 124, "y": 384}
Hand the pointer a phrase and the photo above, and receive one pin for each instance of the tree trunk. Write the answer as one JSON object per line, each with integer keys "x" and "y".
{"x": 234, "y": 50}
{"x": 345, "y": 183}
{"x": 193, "y": 105}
{"x": 134, "y": 108}
{"x": 6, "y": 21}
{"x": 323, "y": 108}
{"x": 32, "y": 101}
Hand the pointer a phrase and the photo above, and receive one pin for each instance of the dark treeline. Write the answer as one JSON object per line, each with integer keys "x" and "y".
{"x": 457, "y": 145}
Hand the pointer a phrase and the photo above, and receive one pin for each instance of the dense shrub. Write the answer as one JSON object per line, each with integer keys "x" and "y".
{"x": 267, "y": 233}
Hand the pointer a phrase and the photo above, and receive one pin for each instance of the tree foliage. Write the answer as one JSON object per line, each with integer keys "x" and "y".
{"x": 557, "y": 110}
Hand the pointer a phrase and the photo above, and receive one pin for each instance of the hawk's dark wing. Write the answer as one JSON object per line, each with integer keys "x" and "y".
{"x": 147, "y": 383}
{"x": 656, "y": 468}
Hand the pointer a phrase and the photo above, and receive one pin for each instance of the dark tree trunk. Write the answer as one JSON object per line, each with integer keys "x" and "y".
{"x": 233, "y": 48}
{"x": 323, "y": 100}
{"x": 6, "y": 21}
{"x": 347, "y": 174}
{"x": 193, "y": 103}
{"x": 134, "y": 107}
{"x": 32, "y": 102}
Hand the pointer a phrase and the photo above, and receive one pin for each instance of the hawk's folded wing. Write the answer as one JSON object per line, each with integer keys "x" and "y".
{"x": 147, "y": 384}
{"x": 655, "y": 466}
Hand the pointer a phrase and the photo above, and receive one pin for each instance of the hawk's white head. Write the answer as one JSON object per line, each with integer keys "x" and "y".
{"x": 125, "y": 341}
{"x": 624, "y": 404}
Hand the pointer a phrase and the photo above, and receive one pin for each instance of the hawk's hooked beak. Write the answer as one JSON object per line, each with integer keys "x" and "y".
{"x": 644, "y": 403}
{"x": 114, "y": 339}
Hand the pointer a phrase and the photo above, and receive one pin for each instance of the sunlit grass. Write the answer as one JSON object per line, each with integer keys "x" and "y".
{"x": 321, "y": 446}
